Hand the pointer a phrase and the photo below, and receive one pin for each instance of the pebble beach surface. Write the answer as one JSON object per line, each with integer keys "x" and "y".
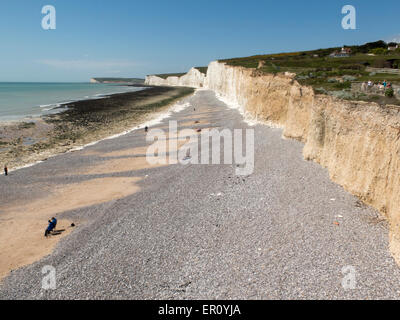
{"x": 200, "y": 231}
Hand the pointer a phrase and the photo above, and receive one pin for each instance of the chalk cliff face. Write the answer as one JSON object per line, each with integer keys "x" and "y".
{"x": 358, "y": 142}
{"x": 194, "y": 78}
{"x": 279, "y": 100}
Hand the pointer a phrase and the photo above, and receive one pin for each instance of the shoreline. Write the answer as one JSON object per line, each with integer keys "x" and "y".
{"x": 60, "y": 106}
{"x": 176, "y": 107}
{"x": 84, "y": 123}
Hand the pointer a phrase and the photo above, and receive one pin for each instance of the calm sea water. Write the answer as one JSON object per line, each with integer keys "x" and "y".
{"x": 21, "y": 100}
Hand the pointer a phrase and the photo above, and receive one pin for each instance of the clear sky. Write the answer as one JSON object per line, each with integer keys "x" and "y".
{"x": 129, "y": 38}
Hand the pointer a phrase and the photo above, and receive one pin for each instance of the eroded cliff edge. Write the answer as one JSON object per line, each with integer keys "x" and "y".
{"x": 194, "y": 78}
{"x": 358, "y": 142}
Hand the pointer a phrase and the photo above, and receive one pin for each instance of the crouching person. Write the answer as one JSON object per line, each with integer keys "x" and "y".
{"x": 52, "y": 225}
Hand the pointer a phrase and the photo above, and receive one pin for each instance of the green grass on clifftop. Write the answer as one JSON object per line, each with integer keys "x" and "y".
{"x": 166, "y": 75}
{"x": 332, "y": 75}
{"x": 202, "y": 69}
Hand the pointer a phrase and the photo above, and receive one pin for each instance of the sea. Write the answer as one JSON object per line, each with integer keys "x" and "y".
{"x": 20, "y": 100}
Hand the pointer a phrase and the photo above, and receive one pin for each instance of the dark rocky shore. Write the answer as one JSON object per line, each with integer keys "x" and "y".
{"x": 81, "y": 123}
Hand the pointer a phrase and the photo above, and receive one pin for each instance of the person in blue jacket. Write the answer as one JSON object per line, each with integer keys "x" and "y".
{"x": 52, "y": 225}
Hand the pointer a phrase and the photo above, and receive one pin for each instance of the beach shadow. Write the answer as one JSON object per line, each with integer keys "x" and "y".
{"x": 57, "y": 232}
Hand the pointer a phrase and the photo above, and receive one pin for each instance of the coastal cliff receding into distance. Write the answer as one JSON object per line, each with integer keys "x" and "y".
{"x": 194, "y": 78}
{"x": 358, "y": 142}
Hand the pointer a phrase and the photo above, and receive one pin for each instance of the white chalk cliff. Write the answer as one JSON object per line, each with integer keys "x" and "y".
{"x": 194, "y": 78}
{"x": 358, "y": 142}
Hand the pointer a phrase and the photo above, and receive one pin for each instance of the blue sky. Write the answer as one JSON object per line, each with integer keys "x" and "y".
{"x": 129, "y": 38}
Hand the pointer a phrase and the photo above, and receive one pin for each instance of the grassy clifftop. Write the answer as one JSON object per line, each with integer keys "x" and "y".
{"x": 334, "y": 75}
{"x": 166, "y": 75}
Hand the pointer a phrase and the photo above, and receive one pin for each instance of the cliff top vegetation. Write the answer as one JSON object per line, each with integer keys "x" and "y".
{"x": 166, "y": 75}
{"x": 328, "y": 72}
